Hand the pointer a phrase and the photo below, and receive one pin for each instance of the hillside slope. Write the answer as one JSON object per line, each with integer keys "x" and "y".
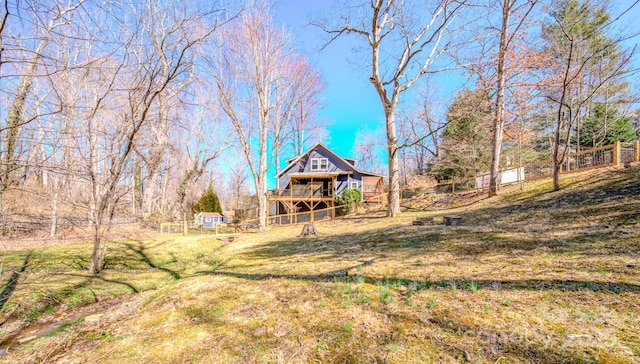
{"x": 530, "y": 276}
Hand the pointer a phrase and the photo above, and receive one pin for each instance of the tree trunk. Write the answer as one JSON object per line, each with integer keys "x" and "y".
{"x": 556, "y": 149}
{"x": 277, "y": 156}
{"x": 97, "y": 259}
{"x": 261, "y": 179}
{"x": 149, "y": 191}
{"x": 54, "y": 208}
{"x": 261, "y": 191}
{"x": 556, "y": 173}
{"x": 495, "y": 159}
{"x": 393, "y": 208}
{"x": 494, "y": 181}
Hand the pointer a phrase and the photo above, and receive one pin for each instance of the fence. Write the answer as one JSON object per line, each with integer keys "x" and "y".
{"x": 609, "y": 155}
{"x": 194, "y": 227}
{"x": 310, "y": 191}
{"x": 21, "y": 224}
{"x": 630, "y": 152}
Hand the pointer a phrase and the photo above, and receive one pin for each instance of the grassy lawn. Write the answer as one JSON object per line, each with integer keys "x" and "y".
{"x": 531, "y": 277}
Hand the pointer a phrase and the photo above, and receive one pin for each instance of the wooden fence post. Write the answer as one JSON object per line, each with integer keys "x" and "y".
{"x": 185, "y": 228}
{"x": 616, "y": 153}
{"x": 636, "y": 151}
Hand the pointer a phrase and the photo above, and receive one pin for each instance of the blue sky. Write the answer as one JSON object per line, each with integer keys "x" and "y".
{"x": 351, "y": 103}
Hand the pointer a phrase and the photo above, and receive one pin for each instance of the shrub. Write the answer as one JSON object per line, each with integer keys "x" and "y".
{"x": 350, "y": 198}
{"x": 153, "y": 221}
{"x": 407, "y": 194}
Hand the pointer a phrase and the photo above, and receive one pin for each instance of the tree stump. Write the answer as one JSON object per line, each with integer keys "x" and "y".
{"x": 309, "y": 229}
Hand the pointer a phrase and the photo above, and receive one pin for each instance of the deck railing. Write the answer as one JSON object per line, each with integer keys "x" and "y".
{"x": 302, "y": 191}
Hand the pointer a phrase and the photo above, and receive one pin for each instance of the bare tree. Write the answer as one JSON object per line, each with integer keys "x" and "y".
{"x": 237, "y": 182}
{"x": 125, "y": 90}
{"x": 4, "y": 16}
{"x": 160, "y": 24}
{"x": 368, "y": 147}
{"x": 249, "y": 70}
{"x": 205, "y": 139}
{"x": 28, "y": 63}
{"x": 420, "y": 134}
{"x": 296, "y": 101}
{"x": 507, "y": 33}
{"x": 404, "y": 39}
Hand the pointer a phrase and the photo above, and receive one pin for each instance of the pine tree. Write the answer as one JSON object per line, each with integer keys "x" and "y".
{"x": 465, "y": 151}
{"x": 209, "y": 202}
{"x": 585, "y": 64}
{"x": 604, "y": 126}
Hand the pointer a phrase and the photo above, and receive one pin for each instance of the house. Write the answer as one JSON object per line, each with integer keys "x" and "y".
{"x": 209, "y": 220}
{"x": 311, "y": 181}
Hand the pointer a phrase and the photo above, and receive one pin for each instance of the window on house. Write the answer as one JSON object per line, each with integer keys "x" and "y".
{"x": 319, "y": 164}
{"x": 354, "y": 184}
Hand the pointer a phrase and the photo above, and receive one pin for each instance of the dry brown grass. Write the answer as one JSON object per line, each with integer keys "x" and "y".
{"x": 530, "y": 277}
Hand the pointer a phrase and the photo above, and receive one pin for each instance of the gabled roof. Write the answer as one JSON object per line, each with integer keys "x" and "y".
{"x": 295, "y": 160}
{"x": 317, "y": 174}
{"x": 210, "y": 214}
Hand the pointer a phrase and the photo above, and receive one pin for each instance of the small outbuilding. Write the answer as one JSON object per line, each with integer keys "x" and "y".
{"x": 209, "y": 220}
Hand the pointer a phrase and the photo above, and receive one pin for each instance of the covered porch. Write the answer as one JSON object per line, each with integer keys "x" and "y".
{"x": 307, "y": 197}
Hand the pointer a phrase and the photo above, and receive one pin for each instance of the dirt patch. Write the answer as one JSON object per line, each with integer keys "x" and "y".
{"x": 79, "y": 320}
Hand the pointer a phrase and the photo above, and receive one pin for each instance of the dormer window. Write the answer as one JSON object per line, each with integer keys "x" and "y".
{"x": 319, "y": 164}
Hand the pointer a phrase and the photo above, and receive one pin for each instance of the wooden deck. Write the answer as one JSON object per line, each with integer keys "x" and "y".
{"x": 301, "y": 192}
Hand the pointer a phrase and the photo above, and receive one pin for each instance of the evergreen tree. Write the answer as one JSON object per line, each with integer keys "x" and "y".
{"x": 465, "y": 139}
{"x": 586, "y": 65}
{"x": 604, "y": 126}
{"x": 208, "y": 202}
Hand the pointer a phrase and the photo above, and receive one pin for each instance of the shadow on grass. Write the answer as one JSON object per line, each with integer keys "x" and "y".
{"x": 409, "y": 241}
{"x": 342, "y": 275}
{"x": 12, "y": 282}
{"x": 103, "y": 279}
{"x": 74, "y": 286}
{"x": 591, "y": 202}
{"x": 594, "y": 217}
{"x": 139, "y": 250}
{"x": 495, "y": 343}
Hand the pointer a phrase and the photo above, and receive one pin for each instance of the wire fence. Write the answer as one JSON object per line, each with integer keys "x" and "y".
{"x": 605, "y": 156}
{"x": 609, "y": 155}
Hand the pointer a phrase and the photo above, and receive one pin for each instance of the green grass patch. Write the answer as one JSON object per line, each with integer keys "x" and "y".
{"x": 555, "y": 266}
